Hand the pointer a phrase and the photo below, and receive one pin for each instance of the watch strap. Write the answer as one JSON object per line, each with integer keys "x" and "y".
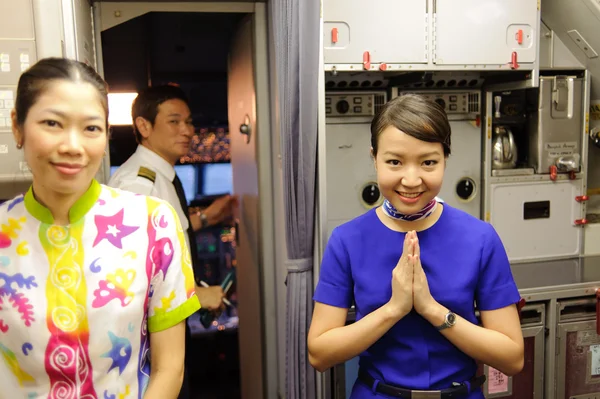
{"x": 203, "y": 220}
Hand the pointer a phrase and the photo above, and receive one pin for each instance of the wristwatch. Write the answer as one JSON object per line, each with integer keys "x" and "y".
{"x": 203, "y": 220}
{"x": 449, "y": 321}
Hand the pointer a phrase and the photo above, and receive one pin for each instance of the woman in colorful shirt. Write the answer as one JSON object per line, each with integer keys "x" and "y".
{"x": 415, "y": 269}
{"x": 95, "y": 283}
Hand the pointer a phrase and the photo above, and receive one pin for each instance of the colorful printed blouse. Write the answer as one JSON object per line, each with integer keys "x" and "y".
{"x": 77, "y": 302}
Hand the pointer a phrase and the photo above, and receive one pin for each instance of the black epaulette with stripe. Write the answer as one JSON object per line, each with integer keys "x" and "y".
{"x": 147, "y": 174}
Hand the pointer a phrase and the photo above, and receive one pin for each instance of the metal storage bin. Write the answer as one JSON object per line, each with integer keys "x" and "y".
{"x": 529, "y": 383}
{"x": 578, "y": 350}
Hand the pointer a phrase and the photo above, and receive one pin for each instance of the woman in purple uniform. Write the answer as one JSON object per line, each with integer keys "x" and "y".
{"x": 416, "y": 270}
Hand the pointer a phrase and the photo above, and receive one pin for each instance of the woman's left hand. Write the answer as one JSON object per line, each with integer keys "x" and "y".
{"x": 422, "y": 299}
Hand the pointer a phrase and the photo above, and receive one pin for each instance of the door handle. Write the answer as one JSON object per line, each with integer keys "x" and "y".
{"x": 245, "y": 129}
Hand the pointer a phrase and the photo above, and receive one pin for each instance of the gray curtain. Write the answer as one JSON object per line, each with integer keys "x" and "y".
{"x": 296, "y": 32}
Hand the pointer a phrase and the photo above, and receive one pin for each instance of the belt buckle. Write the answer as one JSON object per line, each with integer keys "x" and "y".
{"x": 426, "y": 394}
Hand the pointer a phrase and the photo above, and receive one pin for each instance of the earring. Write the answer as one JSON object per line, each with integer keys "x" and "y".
{"x": 19, "y": 146}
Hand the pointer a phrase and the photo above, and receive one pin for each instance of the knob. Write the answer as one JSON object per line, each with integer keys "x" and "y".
{"x": 465, "y": 189}
{"x": 342, "y": 106}
{"x": 371, "y": 194}
{"x": 245, "y": 129}
{"x": 595, "y": 136}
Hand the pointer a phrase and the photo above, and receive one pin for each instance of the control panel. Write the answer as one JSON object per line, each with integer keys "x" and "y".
{"x": 453, "y": 102}
{"x": 353, "y": 104}
{"x": 7, "y": 103}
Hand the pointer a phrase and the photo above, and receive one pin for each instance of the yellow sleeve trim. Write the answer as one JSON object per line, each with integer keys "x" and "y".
{"x": 167, "y": 320}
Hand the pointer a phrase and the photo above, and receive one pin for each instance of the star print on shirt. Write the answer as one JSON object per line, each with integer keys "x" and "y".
{"x": 112, "y": 229}
{"x": 120, "y": 352}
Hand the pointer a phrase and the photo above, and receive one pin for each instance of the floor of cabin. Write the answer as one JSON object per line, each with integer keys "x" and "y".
{"x": 216, "y": 370}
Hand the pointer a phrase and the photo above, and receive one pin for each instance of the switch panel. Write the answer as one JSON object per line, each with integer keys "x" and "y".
{"x": 352, "y": 104}
{"x": 7, "y": 103}
{"x": 16, "y": 56}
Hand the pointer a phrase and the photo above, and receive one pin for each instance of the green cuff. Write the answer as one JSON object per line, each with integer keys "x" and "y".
{"x": 174, "y": 317}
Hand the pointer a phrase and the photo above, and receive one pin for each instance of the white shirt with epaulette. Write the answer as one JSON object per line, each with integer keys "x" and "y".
{"x": 147, "y": 173}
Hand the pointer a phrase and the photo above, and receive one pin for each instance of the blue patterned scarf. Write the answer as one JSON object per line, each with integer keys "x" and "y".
{"x": 392, "y": 212}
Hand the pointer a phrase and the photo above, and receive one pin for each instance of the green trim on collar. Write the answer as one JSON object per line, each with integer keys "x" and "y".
{"x": 77, "y": 211}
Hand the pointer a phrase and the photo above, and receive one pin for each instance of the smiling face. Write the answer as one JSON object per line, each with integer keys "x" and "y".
{"x": 171, "y": 134}
{"x": 409, "y": 171}
{"x": 63, "y": 137}
{"x": 410, "y": 142}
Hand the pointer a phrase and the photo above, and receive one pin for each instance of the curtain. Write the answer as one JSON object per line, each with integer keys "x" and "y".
{"x": 296, "y": 33}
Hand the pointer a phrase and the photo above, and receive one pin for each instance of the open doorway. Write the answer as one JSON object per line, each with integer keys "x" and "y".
{"x": 192, "y": 50}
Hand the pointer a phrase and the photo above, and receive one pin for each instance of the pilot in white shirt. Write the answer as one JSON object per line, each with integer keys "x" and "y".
{"x": 163, "y": 128}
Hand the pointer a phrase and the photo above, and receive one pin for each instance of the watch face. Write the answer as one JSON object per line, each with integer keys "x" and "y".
{"x": 451, "y": 318}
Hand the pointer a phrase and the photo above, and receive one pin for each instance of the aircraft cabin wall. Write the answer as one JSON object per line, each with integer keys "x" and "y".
{"x": 29, "y": 31}
{"x": 17, "y": 53}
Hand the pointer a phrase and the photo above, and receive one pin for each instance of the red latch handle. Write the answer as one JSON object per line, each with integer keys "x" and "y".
{"x": 553, "y": 172}
{"x": 520, "y": 36}
{"x": 334, "y": 35}
{"x": 572, "y": 175}
{"x": 513, "y": 61}
{"x": 366, "y": 60}
{"x": 582, "y": 198}
{"x": 580, "y": 222}
{"x": 383, "y": 67}
{"x": 597, "y": 312}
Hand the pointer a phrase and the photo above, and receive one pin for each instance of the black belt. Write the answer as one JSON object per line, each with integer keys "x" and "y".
{"x": 458, "y": 390}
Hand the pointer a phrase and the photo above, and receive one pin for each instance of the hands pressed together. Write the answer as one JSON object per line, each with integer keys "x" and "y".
{"x": 409, "y": 282}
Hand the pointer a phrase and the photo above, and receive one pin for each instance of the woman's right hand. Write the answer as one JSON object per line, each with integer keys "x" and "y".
{"x": 401, "y": 302}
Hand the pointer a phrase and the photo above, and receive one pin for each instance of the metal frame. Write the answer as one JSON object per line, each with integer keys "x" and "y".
{"x": 587, "y": 79}
{"x": 115, "y": 13}
{"x": 538, "y": 384}
{"x": 110, "y": 14}
{"x": 49, "y": 36}
{"x": 70, "y": 32}
{"x": 323, "y": 380}
{"x": 266, "y": 203}
{"x": 96, "y": 18}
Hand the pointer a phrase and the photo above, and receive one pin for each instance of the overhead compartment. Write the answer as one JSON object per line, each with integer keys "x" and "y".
{"x": 361, "y": 35}
{"x": 486, "y": 32}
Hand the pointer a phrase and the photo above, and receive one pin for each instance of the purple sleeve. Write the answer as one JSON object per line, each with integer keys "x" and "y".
{"x": 496, "y": 287}
{"x": 335, "y": 286}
